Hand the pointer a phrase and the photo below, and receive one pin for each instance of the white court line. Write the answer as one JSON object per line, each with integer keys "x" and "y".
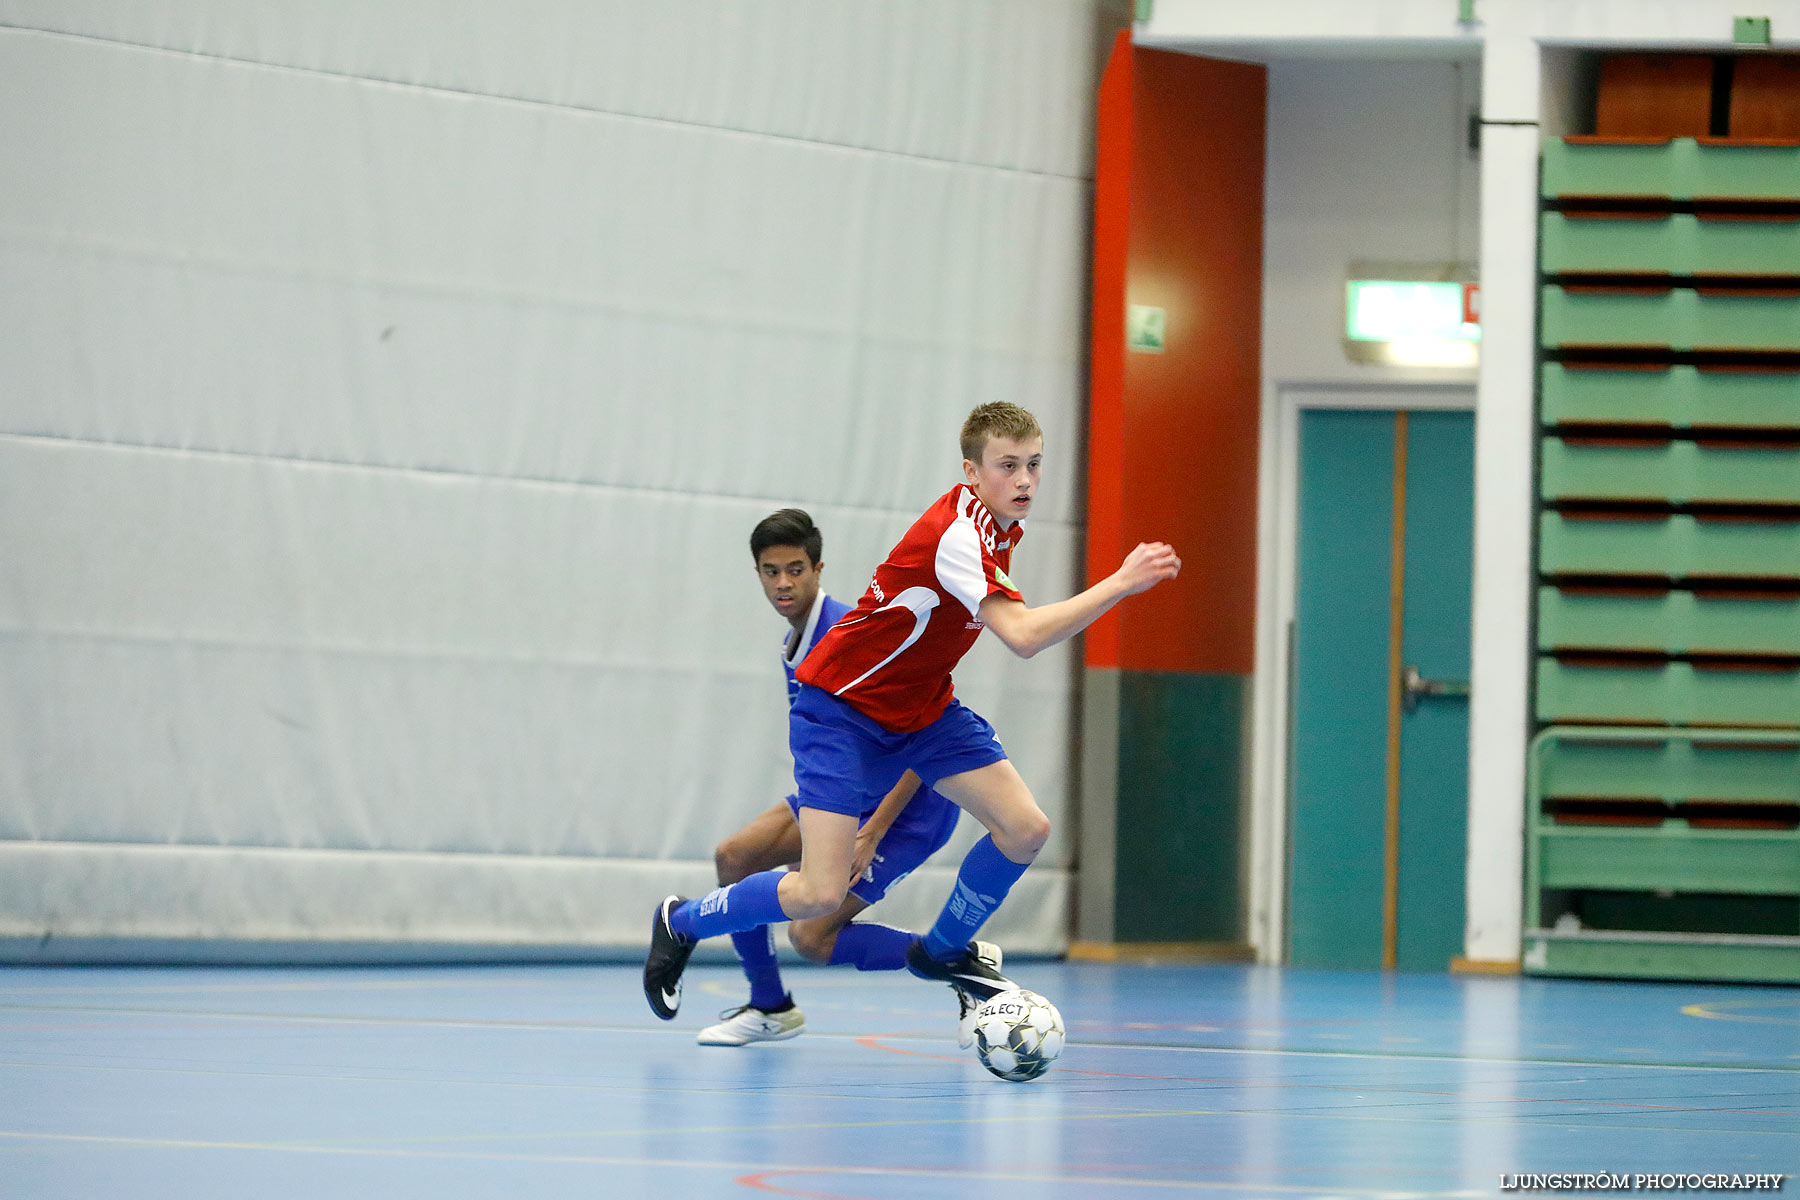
{"x": 182, "y": 989}
{"x": 338, "y": 1019}
{"x": 1351, "y": 1112}
{"x": 747, "y": 1167}
{"x": 633, "y": 1030}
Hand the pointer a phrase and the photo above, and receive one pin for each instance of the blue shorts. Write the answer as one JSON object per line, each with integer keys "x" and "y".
{"x": 845, "y": 763}
{"x": 919, "y": 832}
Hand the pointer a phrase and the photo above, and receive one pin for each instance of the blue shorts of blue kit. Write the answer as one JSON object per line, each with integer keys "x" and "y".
{"x": 845, "y": 763}
{"x": 919, "y": 832}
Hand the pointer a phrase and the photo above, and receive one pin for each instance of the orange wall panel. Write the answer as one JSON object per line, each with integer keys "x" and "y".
{"x": 1181, "y": 462}
{"x": 1106, "y": 355}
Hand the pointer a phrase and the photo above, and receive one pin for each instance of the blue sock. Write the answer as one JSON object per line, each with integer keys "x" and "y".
{"x": 756, "y": 950}
{"x": 871, "y": 947}
{"x": 734, "y": 909}
{"x": 982, "y": 883}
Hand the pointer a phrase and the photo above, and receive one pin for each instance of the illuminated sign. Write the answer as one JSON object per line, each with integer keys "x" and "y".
{"x": 1145, "y": 327}
{"x": 1390, "y": 310}
{"x": 1412, "y": 322}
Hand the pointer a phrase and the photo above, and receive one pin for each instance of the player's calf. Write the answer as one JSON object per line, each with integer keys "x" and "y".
{"x": 815, "y": 938}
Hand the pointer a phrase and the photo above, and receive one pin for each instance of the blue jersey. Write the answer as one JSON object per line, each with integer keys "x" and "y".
{"x": 825, "y": 613}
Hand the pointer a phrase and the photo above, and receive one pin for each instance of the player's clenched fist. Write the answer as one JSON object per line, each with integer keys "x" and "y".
{"x": 1148, "y": 565}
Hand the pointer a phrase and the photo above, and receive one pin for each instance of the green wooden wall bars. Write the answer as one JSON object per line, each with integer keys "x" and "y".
{"x": 1663, "y": 826}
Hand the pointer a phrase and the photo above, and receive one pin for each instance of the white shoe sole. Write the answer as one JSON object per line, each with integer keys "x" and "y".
{"x": 724, "y": 1035}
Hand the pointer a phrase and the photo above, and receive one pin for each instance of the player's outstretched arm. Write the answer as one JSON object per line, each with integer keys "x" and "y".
{"x": 868, "y": 838}
{"x": 1025, "y": 631}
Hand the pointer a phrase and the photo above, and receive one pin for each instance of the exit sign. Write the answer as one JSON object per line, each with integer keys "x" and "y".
{"x": 1396, "y": 310}
{"x": 1750, "y": 31}
{"x": 1145, "y": 327}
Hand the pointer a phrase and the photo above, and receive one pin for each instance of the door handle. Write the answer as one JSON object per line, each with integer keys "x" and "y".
{"x": 1414, "y": 685}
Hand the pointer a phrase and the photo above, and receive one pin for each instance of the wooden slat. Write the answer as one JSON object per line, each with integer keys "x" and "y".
{"x": 1765, "y": 98}
{"x": 1655, "y": 96}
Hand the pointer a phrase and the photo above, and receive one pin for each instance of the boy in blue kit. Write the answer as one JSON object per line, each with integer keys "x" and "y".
{"x": 906, "y": 828}
{"x": 877, "y": 698}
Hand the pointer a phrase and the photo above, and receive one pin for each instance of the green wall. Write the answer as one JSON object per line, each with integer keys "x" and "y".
{"x": 1180, "y": 788}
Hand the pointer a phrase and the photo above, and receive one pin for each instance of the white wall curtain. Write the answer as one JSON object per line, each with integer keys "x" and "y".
{"x": 386, "y": 396}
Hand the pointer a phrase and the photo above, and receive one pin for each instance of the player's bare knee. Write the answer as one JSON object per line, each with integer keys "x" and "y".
{"x": 729, "y": 862}
{"x": 810, "y": 898}
{"x": 1023, "y": 835}
{"x": 813, "y": 939}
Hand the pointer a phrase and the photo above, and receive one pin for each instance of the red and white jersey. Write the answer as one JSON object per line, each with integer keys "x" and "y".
{"x": 890, "y": 657}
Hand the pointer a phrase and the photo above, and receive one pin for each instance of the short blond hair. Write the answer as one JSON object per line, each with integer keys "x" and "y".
{"x": 996, "y": 419}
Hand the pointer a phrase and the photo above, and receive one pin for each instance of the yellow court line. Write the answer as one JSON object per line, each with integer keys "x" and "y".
{"x": 1710, "y": 1011}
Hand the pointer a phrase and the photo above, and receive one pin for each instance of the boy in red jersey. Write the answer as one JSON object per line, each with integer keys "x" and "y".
{"x": 877, "y": 696}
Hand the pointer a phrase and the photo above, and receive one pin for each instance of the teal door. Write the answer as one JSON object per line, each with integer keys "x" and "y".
{"x": 1378, "y": 779}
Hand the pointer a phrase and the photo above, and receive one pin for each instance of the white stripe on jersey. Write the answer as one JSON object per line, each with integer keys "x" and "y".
{"x": 959, "y": 568}
{"x": 974, "y": 510}
{"x": 920, "y": 600}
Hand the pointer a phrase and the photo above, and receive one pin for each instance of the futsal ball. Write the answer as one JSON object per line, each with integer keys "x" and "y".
{"x": 1018, "y": 1034}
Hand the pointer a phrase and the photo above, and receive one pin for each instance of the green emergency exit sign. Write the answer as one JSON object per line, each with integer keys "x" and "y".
{"x": 1145, "y": 326}
{"x": 1750, "y": 31}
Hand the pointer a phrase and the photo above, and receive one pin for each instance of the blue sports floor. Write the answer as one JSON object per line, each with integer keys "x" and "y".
{"x": 524, "y": 1081}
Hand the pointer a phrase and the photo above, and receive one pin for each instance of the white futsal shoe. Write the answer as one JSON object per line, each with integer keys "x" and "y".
{"x": 993, "y": 956}
{"x": 745, "y": 1024}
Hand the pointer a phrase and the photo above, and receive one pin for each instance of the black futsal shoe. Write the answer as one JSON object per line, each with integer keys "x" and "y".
{"x": 667, "y": 960}
{"x": 967, "y": 973}
{"x": 968, "y": 1005}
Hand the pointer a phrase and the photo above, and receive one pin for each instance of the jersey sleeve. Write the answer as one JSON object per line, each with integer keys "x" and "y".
{"x": 967, "y": 569}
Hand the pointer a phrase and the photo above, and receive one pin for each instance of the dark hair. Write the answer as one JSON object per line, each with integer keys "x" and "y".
{"x": 789, "y": 527}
